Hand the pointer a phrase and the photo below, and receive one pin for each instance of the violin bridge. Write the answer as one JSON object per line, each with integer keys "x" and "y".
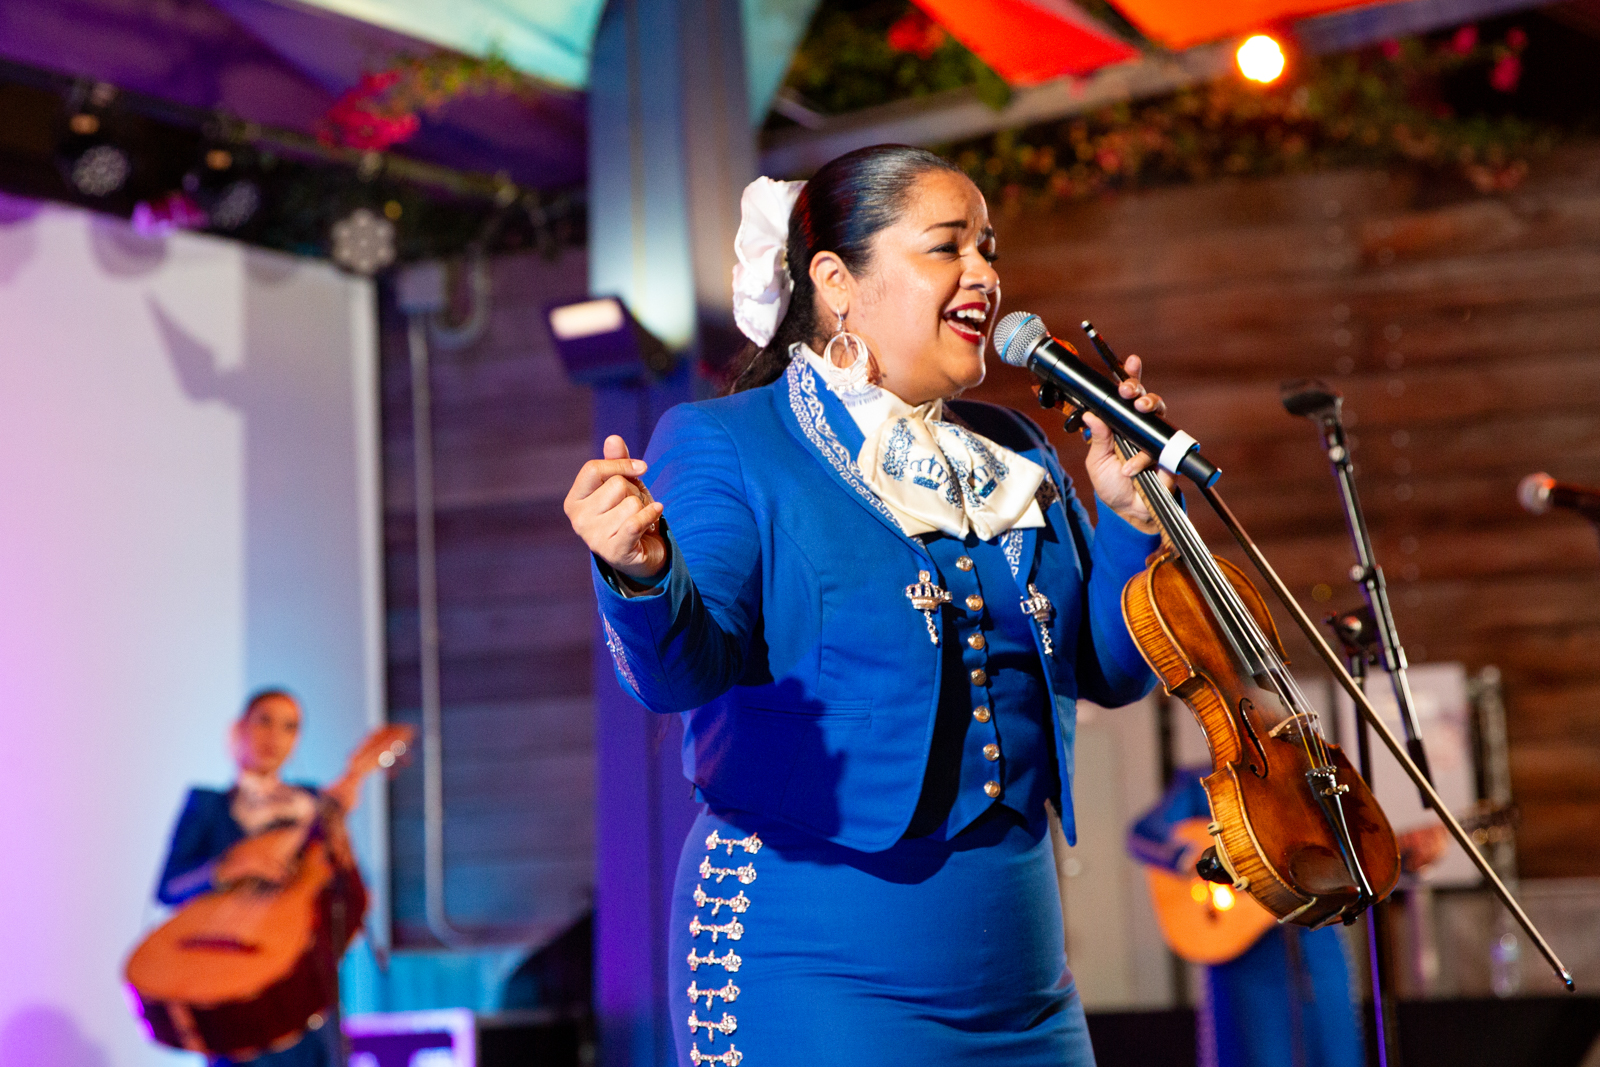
{"x": 1307, "y": 721}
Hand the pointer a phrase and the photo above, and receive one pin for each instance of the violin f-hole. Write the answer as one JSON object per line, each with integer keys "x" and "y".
{"x": 1246, "y": 706}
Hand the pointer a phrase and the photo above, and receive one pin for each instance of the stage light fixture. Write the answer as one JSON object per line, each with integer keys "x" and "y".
{"x": 1260, "y": 59}
{"x": 223, "y": 187}
{"x": 86, "y": 154}
{"x": 363, "y": 242}
{"x": 601, "y": 343}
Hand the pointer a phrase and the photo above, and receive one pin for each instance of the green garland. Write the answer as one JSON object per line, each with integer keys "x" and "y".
{"x": 1382, "y": 106}
{"x": 1378, "y": 107}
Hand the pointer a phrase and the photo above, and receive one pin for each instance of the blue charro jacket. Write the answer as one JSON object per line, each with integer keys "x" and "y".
{"x": 782, "y": 629}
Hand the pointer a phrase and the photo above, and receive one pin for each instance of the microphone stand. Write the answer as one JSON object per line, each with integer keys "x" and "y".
{"x": 1355, "y": 632}
{"x": 1319, "y": 402}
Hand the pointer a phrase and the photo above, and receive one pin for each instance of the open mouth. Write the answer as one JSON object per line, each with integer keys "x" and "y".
{"x": 968, "y": 321}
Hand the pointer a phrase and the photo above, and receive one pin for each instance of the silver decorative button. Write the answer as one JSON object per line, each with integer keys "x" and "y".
{"x": 964, "y": 563}
{"x": 991, "y": 752}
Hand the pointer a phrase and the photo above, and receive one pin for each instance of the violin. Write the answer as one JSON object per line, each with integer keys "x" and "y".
{"x": 1294, "y": 825}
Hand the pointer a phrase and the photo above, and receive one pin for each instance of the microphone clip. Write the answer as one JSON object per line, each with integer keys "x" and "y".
{"x": 1051, "y": 397}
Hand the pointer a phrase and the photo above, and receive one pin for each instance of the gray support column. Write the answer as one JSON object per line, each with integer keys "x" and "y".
{"x": 670, "y": 148}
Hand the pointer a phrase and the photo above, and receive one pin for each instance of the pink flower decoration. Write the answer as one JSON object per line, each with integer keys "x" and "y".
{"x": 1465, "y": 40}
{"x": 1506, "y": 73}
{"x": 914, "y": 32}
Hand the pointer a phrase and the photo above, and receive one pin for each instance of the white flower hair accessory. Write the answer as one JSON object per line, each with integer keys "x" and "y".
{"x": 761, "y": 277}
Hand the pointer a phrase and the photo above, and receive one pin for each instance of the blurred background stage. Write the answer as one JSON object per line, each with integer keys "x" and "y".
{"x": 234, "y": 234}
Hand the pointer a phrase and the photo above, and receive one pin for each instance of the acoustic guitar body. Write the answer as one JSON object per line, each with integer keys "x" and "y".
{"x": 246, "y": 970}
{"x": 1201, "y": 921}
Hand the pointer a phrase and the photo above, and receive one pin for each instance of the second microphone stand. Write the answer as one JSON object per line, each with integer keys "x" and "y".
{"x": 1321, "y": 403}
{"x": 1368, "y": 637}
{"x": 1358, "y": 636}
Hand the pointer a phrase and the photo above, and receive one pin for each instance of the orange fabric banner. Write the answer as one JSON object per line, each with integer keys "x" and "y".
{"x": 1029, "y": 41}
{"x": 1183, "y": 23}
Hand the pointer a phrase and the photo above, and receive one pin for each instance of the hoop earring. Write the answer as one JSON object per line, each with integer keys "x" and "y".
{"x": 861, "y": 362}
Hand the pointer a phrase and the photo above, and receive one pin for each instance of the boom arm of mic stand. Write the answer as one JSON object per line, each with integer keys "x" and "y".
{"x": 1372, "y": 584}
{"x": 1431, "y": 797}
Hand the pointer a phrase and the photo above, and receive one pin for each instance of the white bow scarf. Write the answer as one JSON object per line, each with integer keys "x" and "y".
{"x": 932, "y": 474}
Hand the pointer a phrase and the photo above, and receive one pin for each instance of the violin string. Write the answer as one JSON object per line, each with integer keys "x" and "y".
{"x": 1225, "y": 601}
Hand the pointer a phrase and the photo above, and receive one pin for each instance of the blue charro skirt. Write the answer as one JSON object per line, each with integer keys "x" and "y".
{"x": 788, "y": 950}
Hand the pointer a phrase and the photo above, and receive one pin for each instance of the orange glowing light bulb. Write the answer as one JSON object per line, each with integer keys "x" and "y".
{"x": 1222, "y": 897}
{"x": 1260, "y": 59}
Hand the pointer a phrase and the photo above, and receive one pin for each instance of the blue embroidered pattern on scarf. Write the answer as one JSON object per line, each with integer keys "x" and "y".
{"x": 896, "y": 451}
{"x": 808, "y": 412}
{"x": 990, "y": 469}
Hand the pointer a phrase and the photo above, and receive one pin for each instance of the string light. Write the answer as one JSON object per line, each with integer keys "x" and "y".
{"x": 1260, "y": 59}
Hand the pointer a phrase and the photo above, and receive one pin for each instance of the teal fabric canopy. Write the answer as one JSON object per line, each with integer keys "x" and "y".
{"x": 552, "y": 39}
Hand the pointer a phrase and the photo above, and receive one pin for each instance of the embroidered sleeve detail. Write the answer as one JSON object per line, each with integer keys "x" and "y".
{"x": 619, "y": 655}
{"x": 730, "y": 1058}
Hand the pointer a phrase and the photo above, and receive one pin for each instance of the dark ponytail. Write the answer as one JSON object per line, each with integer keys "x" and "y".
{"x": 840, "y": 210}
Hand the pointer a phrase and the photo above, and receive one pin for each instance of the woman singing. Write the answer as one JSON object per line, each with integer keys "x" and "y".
{"x": 875, "y": 607}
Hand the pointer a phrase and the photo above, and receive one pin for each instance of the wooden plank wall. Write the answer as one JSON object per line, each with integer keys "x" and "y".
{"x": 1464, "y": 333}
{"x": 516, "y": 614}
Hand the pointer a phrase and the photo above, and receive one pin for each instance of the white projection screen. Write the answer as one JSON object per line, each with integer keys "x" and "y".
{"x": 188, "y": 510}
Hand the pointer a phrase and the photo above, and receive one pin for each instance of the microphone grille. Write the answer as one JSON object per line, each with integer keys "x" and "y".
{"x": 1534, "y": 492}
{"x": 1017, "y": 335}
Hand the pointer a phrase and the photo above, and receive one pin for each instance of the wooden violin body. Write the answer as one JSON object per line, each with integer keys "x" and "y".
{"x": 1271, "y": 835}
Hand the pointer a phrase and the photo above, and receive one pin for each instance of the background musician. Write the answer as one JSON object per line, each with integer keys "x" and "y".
{"x": 1288, "y": 997}
{"x": 254, "y": 831}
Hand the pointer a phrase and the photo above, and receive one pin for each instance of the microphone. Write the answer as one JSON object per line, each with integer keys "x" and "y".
{"x": 1312, "y": 398}
{"x": 1540, "y": 492}
{"x": 1022, "y": 341}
